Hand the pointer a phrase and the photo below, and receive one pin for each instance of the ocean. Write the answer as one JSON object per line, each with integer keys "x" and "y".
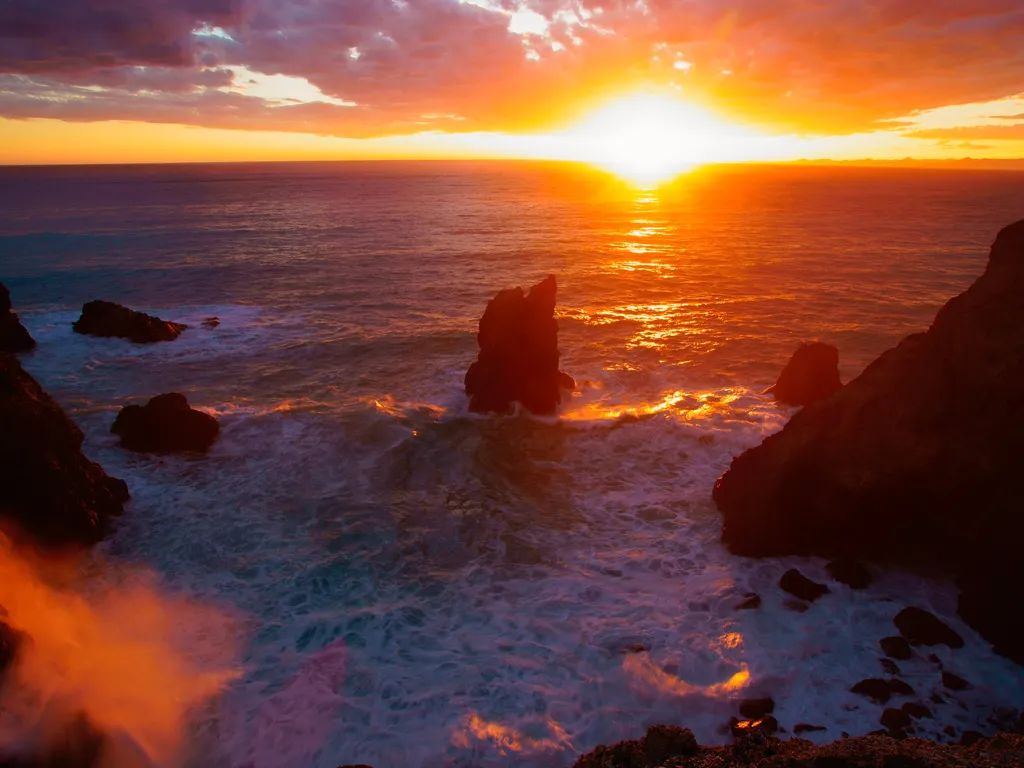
{"x": 414, "y": 585}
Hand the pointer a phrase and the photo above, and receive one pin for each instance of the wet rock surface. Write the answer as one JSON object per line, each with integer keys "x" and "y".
{"x": 13, "y": 336}
{"x": 166, "y": 424}
{"x": 915, "y": 461}
{"x": 105, "y": 318}
{"x": 48, "y": 489}
{"x": 518, "y": 358}
{"x": 798, "y": 585}
{"x": 811, "y": 374}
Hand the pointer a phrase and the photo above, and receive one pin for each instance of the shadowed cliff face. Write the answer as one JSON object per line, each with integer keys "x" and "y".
{"x": 916, "y": 460}
{"x": 13, "y": 336}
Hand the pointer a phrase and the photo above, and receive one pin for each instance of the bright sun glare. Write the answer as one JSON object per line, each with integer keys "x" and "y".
{"x": 650, "y": 138}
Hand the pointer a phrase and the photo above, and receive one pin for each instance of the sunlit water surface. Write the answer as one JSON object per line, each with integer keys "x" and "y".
{"x": 421, "y": 587}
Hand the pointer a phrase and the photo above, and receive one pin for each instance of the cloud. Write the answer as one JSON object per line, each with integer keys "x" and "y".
{"x": 791, "y": 65}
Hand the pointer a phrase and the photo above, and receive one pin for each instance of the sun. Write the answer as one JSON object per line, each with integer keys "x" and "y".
{"x": 650, "y": 138}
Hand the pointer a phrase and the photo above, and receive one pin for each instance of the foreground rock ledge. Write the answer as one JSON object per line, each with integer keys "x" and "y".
{"x": 518, "y": 360}
{"x": 48, "y": 488}
{"x": 918, "y": 460}
{"x": 668, "y": 747}
{"x": 105, "y": 318}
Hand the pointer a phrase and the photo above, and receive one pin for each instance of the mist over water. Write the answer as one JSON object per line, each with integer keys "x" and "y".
{"x": 417, "y": 586}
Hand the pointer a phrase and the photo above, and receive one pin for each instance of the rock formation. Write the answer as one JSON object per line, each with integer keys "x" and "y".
{"x": 811, "y": 374}
{"x": 518, "y": 360}
{"x": 917, "y": 460}
{"x": 13, "y": 336}
{"x": 166, "y": 424}
{"x": 105, "y": 318}
{"x": 48, "y": 489}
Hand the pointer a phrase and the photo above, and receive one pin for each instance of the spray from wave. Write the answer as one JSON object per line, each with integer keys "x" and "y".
{"x": 105, "y": 653}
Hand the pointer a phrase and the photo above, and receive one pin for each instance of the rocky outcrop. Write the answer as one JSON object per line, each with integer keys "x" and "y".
{"x": 166, "y": 424}
{"x": 13, "y": 336}
{"x": 758, "y": 750}
{"x": 918, "y": 460}
{"x": 105, "y": 318}
{"x": 811, "y": 374}
{"x": 518, "y": 360}
{"x": 48, "y": 489}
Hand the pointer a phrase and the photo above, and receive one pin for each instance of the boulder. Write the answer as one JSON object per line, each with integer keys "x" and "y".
{"x": 811, "y": 374}
{"x": 13, "y": 336}
{"x": 798, "y": 585}
{"x": 518, "y": 358}
{"x": 105, "y": 318}
{"x": 896, "y": 647}
{"x": 166, "y": 424}
{"x": 954, "y": 682}
{"x": 875, "y": 689}
{"x": 916, "y": 461}
{"x": 919, "y": 627}
{"x": 48, "y": 488}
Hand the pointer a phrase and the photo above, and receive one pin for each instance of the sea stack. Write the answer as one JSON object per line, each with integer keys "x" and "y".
{"x": 105, "y": 318}
{"x": 13, "y": 336}
{"x": 918, "y": 460}
{"x": 48, "y": 489}
{"x": 518, "y": 359}
{"x": 166, "y": 424}
{"x": 811, "y": 374}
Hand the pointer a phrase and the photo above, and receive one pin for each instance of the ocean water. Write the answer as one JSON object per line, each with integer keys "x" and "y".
{"x": 418, "y": 586}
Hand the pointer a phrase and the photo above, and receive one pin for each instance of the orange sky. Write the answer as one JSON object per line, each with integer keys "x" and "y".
{"x": 698, "y": 81}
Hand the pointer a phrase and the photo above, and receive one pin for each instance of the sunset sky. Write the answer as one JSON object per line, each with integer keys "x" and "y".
{"x": 170, "y": 80}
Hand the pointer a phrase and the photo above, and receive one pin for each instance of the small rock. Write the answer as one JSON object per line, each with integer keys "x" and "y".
{"x": 916, "y": 710}
{"x": 105, "y": 318}
{"x": 896, "y": 647}
{"x": 889, "y": 666}
{"x": 895, "y": 719}
{"x": 875, "y": 689}
{"x": 954, "y": 682}
{"x": 811, "y": 374}
{"x": 211, "y": 322}
{"x": 807, "y": 728}
{"x": 797, "y": 584}
{"x": 755, "y": 709}
{"x": 900, "y": 688}
{"x": 852, "y": 573}
{"x": 920, "y": 627}
{"x": 667, "y": 741}
{"x": 166, "y": 424}
{"x": 750, "y": 601}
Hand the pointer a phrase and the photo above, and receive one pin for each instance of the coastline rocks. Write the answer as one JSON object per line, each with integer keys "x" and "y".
{"x": 518, "y": 359}
{"x": 166, "y": 424}
{"x": 48, "y": 489}
{"x": 811, "y": 374}
{"x": 919, "y": 627}
{"x": 13, "y": 336}
{"x": 105, "y": 318}
{"x": 916, "y": 461}
{"x": 798, "y": 585}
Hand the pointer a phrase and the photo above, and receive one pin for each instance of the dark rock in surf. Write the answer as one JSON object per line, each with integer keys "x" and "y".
{"x": 917, "y": 710}
{"x": 954, "y": 682}
{"x": 13, "y": 336}
{"x": 889, "y": 666}
{"x": 919, "y": 627}
{"x": 749, "y": 602}
{"x": 166, "y": 424}
{"x": 798, "y": 585}
{"x": 48, "y": 489}
{"x": 875, "y": 689}
{"x": 811, "y": 374}
{"x": 915, "y": 461}
{"x": 896, "y": 648}
{"x": 852, "y": 573}
{"x": 105, "y": 318}
{"x": 895, "y": 719}
{"x": 518, "y": 359}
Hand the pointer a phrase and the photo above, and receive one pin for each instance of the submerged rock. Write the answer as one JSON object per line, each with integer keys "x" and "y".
{"x": 166, "y": 424}
{"x": 48, "y": 489}
{"x": 916, "y": 461}
{"x": 518, "y": 359}
{"x": 105, "y": 318}
{"x": 811, "y": 374}
{"x": 13, "y": 336}
{"x": 797, "y": 584}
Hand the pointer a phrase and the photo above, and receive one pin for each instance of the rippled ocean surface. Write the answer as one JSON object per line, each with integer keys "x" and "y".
{"x": 417, "y": 586}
